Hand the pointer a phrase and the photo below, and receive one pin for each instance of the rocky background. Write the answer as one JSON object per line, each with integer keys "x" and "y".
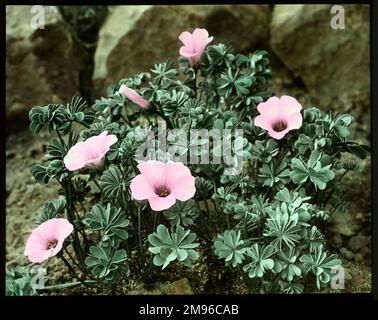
{"x": 82, "y": 50}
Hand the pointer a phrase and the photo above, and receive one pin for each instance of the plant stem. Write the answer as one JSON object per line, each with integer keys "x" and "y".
{"x": 195, "y": 82}
{"x": 140, "y": 239}
{"x": 60, "y": 138}
{"x": 334, "y": 187}
{"x": 170, "y": 125}
{"x": 69, "y": 266}
{"x": 73, "y": 260}
{"x": 68, "y": 285}
{"x": 71, "y": 218}
{"x": 98, "y": 186}
{"x": 228, "y": 222}
{"x": 207, "y": 208}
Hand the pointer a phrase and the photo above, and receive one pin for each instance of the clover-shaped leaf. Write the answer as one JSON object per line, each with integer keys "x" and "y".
{"x": 106, "y": 262}
{"x": 52, "y": 209}
{"x": 288, "y": 265}
{"x": 111, "y": 221}
{"x": 114, "y": 183}
{"x": 230, "y": 247}
{"x": 320, "y": 265}
{"x": 313, "y": 171}
{"x": 181, "y": 213}
{"x": 168, "y": 247}
{"x": 283, "y": 227}
{"x": 261, "y": 260}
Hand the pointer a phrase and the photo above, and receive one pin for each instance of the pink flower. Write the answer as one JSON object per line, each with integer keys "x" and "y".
{"x": 47, "y": 239}
{"x": 89, "y": 153}
{"x": 162, "y": 184}
{"x": 279, "y": 116}
{"x": 194, "y": 44}
{"x": 133, "y": 96}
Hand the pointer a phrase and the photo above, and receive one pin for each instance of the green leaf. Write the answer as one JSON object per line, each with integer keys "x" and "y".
{"x": 283, "y": 227}
{"x": 111, "y": 221}
{"x": 168, "y": 247}
{"x": 40, "y": 173}
{"x": 18, "y": 281}
{"x": 182, "y": 213}
{"x": 107, "y": 262}
{"x": 230, "y": 247}
{"x": 320, "y": 265}
{"x": 114, "y": 183}
{"x": 313, "y": 171}
{"x": 261, "y": 260}
{"x": 52, "y": 209}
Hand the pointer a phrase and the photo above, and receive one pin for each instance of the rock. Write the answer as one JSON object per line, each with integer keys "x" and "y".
{"x": 337, "y": 240}
{"x": 358, "y": 242}
{"x": 344, "y": 223}
{"x": 134, "y": 38}
{"x": 359, "y": 258}
{"x": 143, "y": 291}
{"x": 332, "y": 63}
{"x": 181, "y": 286}
{"x": 40, "y": 65}
{"x": 346, "y": 254}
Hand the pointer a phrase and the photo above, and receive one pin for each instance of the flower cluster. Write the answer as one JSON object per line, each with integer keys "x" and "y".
{"x": 268, "y": 220}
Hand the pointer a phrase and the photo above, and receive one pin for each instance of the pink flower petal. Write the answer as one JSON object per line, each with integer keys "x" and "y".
{"x": 89, "y": 152}
{"x": 187, "y": 53}
{"x": 158, "y": 203}
{"x": 153, "y": 172}
{"x": 263, "y": 122}
{"x": 275, "y": 110}
{"x": 186, "y": 38}
{"x": 63, "y": 228}
{"x": 57, "y": 229}
{"x": 278, "y": 135}
{"x": 295, "y": 121}
{"x": 38, "y": 256}
{"x": 269, "y": 107}
{"x": 175, "y": 170}
{"x": 141, "y": 189}
{"x": 184, "y": 188}
{"x": 194, "y": 44}
{"x": 133, "y": 96}
{"x": 290, "y": 105}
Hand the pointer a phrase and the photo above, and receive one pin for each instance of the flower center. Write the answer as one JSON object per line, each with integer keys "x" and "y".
{"x": 52, "y": 244}
{"x": 162, "y": 191}
{"x": 279, "y": 126}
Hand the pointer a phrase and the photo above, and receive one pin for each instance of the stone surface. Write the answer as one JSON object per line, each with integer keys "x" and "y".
{"x": 344, "y": 223}
{"x": 181, "y": 286}
{"x": 177, "y": 287}
{"x": 358, "y": 242}
{"x": 134, "y": 38}
{"x": 336, "y": 241}
{"x": 346, "y": 253}
{"x": 331, "y": 63}
{"x": 40, "y": 65}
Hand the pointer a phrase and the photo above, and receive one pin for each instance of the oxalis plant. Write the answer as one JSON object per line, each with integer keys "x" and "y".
{"x": 262, "y": 189}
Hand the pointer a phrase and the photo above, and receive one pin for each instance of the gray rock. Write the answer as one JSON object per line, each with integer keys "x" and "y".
{"x": 358, "y": 242}
{"x": 40, "y": 65}
{"x": 346, "y": 254}
{"x": 344, "y": 223}
{"x": 332, "y": 63}
{"x": 181, "y": 286}
{"x": 134, "y": 38}
{"x": 178, "y": 287}
{"x": 337, "y": 241}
